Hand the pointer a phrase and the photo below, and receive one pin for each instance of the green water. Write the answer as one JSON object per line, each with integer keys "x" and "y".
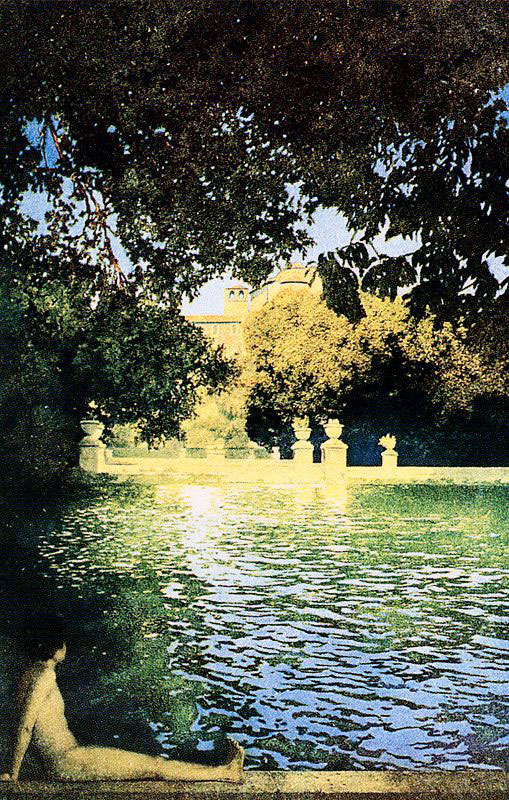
{"x": 364, "y": 629}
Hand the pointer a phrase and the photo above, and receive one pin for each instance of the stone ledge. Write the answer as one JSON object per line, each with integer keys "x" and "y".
{"x": 291, "y": 473}
{"x": 467, "y": 785}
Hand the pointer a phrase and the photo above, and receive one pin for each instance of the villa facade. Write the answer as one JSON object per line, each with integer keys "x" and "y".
{"x": 239, "y": 301}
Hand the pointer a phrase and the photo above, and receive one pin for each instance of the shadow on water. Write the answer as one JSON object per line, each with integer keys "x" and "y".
{"x": 351, "y": 629}
{"x": 111, "y": 678}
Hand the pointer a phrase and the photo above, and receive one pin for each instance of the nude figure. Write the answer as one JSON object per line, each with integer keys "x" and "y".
{"x": 42, "y": 718}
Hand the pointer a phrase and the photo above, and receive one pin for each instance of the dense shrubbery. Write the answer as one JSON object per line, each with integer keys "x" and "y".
{"x": 220, "y": 418}
{"x": 59, "y": 352}
{"x": 430, "y": 383}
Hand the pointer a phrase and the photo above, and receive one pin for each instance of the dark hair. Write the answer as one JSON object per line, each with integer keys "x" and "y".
{"x": 43, "y": 635}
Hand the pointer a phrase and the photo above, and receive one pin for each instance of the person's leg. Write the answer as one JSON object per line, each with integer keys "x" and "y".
{"x": 108, "y": 763}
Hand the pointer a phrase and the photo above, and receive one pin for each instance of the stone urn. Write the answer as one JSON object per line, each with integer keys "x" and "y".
{"x": 93, "y": 430}
{"x": 301, "y": 430}
{"x": 333, "y": 428}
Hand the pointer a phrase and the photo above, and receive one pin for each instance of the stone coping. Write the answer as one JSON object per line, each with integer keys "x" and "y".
{"x": 461, "y": 785}
{"x": 263, "y": 471}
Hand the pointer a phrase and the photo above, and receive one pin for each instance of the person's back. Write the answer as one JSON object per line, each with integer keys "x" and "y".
{"x": 51, "y": 734}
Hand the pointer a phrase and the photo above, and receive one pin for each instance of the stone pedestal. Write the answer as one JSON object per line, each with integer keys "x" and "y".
{"x": 92, "y": 450}
{"x": 389, "y": 455}
{"x": 334, "y": 451}
{"x": 389, "y": 459}
{"x": 302, "y": 449}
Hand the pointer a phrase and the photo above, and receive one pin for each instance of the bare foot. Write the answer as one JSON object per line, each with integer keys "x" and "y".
{"x": 235, "y": 762}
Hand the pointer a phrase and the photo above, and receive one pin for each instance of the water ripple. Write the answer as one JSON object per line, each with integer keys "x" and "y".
{"x": 367, "y": 634}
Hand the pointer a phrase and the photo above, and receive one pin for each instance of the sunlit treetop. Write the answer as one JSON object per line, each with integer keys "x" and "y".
{"x": 303, "y": 360}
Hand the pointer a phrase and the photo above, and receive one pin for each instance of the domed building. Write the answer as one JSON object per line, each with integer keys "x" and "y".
{"x": 226, "y": 329}
{"x": 295, "y": 276}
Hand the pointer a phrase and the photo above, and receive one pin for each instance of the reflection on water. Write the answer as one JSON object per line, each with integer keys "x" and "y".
{"x": 367, "y": 631}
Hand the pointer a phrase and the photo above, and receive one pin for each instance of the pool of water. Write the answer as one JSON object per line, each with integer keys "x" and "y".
{"x": 365, "y": 629}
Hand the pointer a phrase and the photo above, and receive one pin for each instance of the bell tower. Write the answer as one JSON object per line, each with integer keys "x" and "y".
{"x": 236, "y": 302}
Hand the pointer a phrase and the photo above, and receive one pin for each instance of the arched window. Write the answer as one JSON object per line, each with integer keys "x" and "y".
{"x": 232, "y": 295}
{"x": 241, "y": 295}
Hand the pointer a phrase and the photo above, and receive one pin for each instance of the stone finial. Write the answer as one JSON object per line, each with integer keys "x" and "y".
{"x": 388, "y": 441}
{"x": 389, "y": 454}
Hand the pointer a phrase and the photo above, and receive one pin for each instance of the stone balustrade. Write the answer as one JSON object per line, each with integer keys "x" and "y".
{"x": 95, "y": 458}
{"x": 216, "y": 450}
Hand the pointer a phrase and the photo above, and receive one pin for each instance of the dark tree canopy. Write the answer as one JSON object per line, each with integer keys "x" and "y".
{"x": 192, "y": 118}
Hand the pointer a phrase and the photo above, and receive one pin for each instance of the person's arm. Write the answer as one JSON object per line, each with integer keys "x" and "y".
{"x": 33, "y": 694}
